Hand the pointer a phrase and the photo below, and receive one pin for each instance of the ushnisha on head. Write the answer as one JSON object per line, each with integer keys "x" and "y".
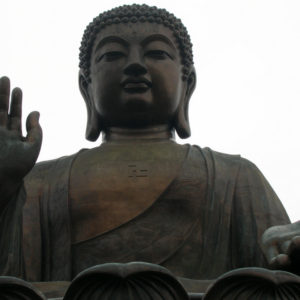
{"x": 136, "y": 70}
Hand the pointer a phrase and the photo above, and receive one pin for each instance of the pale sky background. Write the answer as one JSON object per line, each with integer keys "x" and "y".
{"x": 247, "y": 57}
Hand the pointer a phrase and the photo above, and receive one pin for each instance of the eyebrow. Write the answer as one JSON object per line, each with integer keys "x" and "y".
{"x": 158, "y": 37}
{"x": 111, "y": 39}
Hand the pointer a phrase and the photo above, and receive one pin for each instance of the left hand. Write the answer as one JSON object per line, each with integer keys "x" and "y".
{"x": 281, "y": 246}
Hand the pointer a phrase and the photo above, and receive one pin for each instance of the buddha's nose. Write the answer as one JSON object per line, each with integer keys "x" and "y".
{"x": 135, "y": 69}
{"x": 135, "y": 65}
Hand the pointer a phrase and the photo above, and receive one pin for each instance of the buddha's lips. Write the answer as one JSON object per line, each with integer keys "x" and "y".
{"x": 136, "y": 84}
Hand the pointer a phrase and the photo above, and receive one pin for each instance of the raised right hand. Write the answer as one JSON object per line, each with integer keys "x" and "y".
{"x": 18, "y": 154}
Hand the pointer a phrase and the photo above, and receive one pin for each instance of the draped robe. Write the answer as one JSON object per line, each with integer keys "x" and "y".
{"x": 208, "y": 220}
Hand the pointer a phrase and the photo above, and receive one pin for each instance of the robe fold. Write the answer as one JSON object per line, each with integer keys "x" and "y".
{"x": 208, "y": 220}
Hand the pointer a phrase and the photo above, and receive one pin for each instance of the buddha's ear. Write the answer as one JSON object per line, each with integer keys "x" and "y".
{"x": 93, "y": 127}
{"x": 182, "y": 124}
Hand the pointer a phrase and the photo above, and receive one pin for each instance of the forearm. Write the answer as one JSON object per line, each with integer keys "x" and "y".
{"x": 11, "y": 260}
{"x": 8, "y": 190}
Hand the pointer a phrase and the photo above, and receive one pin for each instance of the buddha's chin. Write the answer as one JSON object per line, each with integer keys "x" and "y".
{"x": 137, "y": 120}
{"x": 137, "y": 104}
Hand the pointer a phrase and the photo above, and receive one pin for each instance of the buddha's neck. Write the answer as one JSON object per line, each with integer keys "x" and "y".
{"x": 151, "y": 134}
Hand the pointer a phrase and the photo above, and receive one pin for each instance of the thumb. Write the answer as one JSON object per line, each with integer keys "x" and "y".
{"x": 34, "y": 130}
{"x": 280, "y": 262}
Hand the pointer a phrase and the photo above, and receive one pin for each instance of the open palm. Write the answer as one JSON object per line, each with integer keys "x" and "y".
{"x": 18, "y": 154}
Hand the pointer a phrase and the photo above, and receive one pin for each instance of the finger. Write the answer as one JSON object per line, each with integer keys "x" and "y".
{"x": 294, "y": 245}
{"x": 285, "y": 246}
{"x": 294, "y": 253}
{"x": 4, "y": 99}
{"x": 271, "y": 253}
{"x": 280, "y": 262}
{"x": 15, "y": 115}
{"x": 34, "y": 130}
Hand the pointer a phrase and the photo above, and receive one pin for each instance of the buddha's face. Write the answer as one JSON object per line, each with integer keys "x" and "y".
{"x": 136, "y": 75}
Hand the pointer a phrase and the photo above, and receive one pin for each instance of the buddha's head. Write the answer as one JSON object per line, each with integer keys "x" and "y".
{"x": 136, "y": 71}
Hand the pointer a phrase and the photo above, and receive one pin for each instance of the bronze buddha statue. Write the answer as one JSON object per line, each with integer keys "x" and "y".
{"x": 139, "y": 196}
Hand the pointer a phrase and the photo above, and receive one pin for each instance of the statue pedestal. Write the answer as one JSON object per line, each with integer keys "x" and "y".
{"x": 139, "y": 280}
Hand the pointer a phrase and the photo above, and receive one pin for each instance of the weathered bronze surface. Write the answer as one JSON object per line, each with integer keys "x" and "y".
{"x": 147, "y": 281}
{"x": 139, "y": 196}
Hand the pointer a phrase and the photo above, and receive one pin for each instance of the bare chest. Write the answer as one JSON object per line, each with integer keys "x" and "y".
{"x": 108, "y": 192}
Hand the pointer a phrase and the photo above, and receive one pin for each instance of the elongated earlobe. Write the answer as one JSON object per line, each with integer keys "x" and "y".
{"x": 93, "y": 127}
{"x": 181, "y": 124}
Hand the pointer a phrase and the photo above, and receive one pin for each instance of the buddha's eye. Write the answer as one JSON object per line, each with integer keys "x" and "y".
{"x": 158, "y": 54}
{"x": 110, "y": 56}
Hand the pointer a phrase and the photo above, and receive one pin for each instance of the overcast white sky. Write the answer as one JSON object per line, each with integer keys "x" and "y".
{"x": 247, "y": 57}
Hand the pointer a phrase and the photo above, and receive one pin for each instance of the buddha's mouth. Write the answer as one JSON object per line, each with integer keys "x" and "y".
{"x": 136, "y": 85}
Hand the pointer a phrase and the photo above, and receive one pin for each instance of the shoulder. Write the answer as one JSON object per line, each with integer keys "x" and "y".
{"x": 219, "y": 158}
{"x": 252, "y": 192}
{"x": 45, "y": 170}
{"x": 42, "y": 168}
{"x": 225, "y": 158}
{"x": 239, "y": 167}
